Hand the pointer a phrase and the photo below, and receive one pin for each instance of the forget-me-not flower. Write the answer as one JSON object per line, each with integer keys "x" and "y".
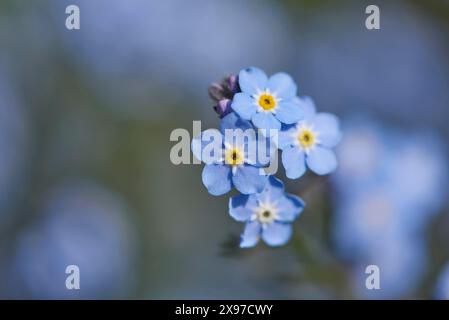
{"x": 235, "y": 164}
{"x": 267, "y": 102}
{"x": 309, "y": 142}
{"x": 268, "y": 214}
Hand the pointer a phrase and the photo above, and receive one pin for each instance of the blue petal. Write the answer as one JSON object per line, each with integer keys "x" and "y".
{"x": 241, "y": 207}
{"x": 277, "y": 234}
{"x": 329, "y": 129}
{"x": 243, "y": 105}
{"x": 289, "y": 207}
{"x": 289, "y": 112}
{"x": 247, "y": 179}
{"x": 287, "y": 137}
{"x": 308, "y": 108}
{"x": 233, "y": 121}
{"x": 243, "y": 137}
{"x": 266, "y": 150}
{"x": 250, "y": 145}
{"x": 250, "y": 235}
{"x": 252, "y": 80}
{"x": 217, "y": 179}
{"x": 273, "y": 189}
{"x": 321, "y": 160}
{"x": 283, "y": 85}
{"x": 211, "y": 139}
{"x": 294, "y": 163}
{"x": 266, "y": 120}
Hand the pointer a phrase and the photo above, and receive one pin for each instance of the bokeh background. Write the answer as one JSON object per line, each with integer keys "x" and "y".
{"x": 85, "y": 175}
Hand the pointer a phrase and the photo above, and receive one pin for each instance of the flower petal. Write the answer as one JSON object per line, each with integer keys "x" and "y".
{"x": 321, "y": 160}
{"x": 223, "y": 107}
{"x": 266, "y": 120}
{"x": 277, "y": 234}
{"x": 252, "y": 80}
{"x": 233, "y": 121}
{"x": 211, "y": 139}
{"x": 217, "y": 179}
{"x": 329, "y": 129}
{"x": 273, "y": 189}
{"x": 266, "y": 150}
{"x": 283, "y": 85}
{"x": 294, "y": 163}
{"x": 243, "y": 105}
{"x": 241, "y": 207}
{"x": 248, "y": 179}
{"x": 250, "y": 235}
{"x": 289, "y": 112}
{"x": 308, "y": 108}
{"x": 239, "y": 133}
{"x": 289, "y": 207}
{"x": 287, "y": 136}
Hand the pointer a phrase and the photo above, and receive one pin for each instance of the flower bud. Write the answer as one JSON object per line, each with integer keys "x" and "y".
{"x": 223, "y": 107}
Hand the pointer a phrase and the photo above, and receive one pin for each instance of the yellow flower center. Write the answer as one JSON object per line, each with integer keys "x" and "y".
{"x": 267, "y": 101}
{"x": 306, "y": 138}
{"x": 234, "y": 157}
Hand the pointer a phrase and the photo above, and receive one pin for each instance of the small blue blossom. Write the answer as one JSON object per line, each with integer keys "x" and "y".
{"x": 234, "y": 164}
{"x": 267, "y": 214}
{"x": 267, "y": 102}
{"x": 309, "y": 142}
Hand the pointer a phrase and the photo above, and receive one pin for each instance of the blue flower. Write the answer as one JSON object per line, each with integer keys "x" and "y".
{"x": 267, "y": 214}
{"x": 231, "y": 162}
{"x": 309, "y": 142}
{"x": 267, "y": 102}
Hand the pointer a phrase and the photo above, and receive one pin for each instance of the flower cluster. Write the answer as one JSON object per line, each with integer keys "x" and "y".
{"x": 253, "y": 106}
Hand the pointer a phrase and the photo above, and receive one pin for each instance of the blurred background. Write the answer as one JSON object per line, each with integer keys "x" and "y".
{"x": 85, "y": 175}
